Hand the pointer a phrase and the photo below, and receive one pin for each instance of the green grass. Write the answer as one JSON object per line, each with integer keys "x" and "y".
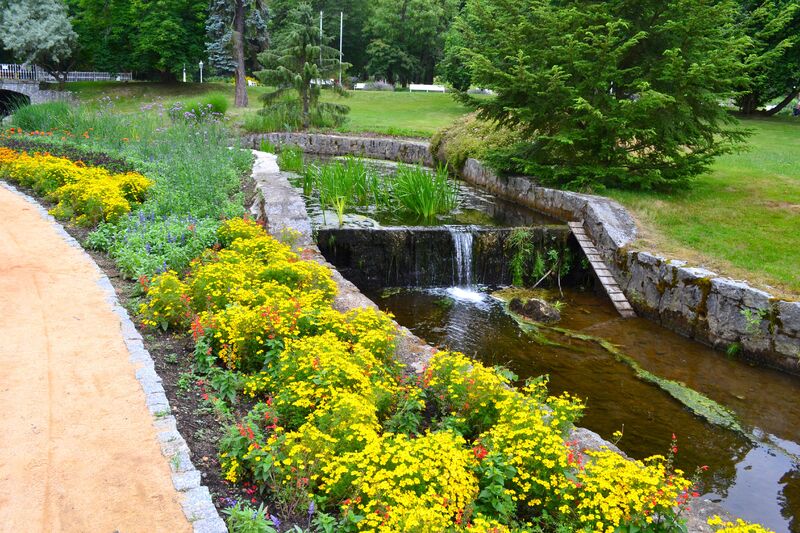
{"x": 400, "y": 113}
{"x": 742, "y": 218}
{"x": 391, "y": 113}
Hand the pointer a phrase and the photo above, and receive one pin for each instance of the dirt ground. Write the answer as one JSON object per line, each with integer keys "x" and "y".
{"x": 78, "y": 451}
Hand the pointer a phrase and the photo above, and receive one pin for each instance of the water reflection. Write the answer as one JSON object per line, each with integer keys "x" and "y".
{"x": 755, "y": 477}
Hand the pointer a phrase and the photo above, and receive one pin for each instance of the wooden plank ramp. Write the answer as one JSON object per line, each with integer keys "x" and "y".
{"x": 603, "y": 273}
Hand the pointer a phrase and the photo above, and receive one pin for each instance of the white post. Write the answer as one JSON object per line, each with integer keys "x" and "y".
{"x": 184, "y": 73}
{"x": 341, "y": 28}
{"x": 201, "y": 72}
{"x": 320, "y": 38}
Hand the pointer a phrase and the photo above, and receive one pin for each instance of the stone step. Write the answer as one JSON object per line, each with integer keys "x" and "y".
{"x": 605, "y": 276}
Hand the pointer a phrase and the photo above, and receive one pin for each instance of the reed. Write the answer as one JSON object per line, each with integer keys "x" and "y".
{"x": 423, "y": 192}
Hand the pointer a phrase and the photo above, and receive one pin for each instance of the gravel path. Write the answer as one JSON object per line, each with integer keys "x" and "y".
{"x": 78, "y": 448}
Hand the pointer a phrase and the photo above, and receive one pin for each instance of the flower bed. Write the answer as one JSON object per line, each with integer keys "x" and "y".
{"x": 86, "y": 194}
{"x": 336, "y": 429}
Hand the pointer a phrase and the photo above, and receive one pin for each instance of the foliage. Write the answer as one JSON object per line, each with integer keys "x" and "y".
{"x": 201, "y": 110}
{"x": 243, "y": 518}
{"x": 300, "y": 62}
{"x": 606, "y": 95}
{"x": 219, "y": 32}
{"x": 356, "y": 14}
{"x": 167, "y": 304}
{"x": 170, "y": 154}
{"x": 290, "y": 158}
{"x": 471, "y": 137}
{"x": 772, "y": 61}
{"x": 407, "y": 38}
{"x": 21, "y": 143}
{"x": 47, "y": 117}
{"x": 85, "y": 194}
{"x": 452, "y": 68}
{"x": 481, "y": 455}
{"x": 39, "y": 32}
{"x": 145, "y": 243}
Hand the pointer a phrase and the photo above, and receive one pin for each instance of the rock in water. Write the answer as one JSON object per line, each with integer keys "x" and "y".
{"x": 535, "y": 309}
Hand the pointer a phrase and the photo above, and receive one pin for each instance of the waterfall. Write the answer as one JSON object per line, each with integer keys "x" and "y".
{"x": 462, "y": 243}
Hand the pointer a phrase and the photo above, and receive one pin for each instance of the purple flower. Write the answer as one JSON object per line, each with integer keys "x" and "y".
{"x": 311, "y": 508}
{"x": 275, "y": 520}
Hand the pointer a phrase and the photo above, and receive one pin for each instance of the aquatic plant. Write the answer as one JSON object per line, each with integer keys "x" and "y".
{"x": 290, "y": 158}
{"x": 423, "y": 192}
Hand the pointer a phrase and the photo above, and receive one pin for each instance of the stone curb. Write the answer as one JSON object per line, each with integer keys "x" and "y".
{"x": 196, "y": 500}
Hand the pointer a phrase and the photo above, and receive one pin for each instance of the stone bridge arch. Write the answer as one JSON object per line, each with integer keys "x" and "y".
{"x": 16, "y": 92}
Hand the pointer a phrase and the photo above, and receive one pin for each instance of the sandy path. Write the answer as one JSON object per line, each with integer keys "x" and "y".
{"x": 78, "y": 451}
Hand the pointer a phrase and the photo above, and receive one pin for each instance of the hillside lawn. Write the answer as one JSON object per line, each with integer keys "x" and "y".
{"x": 742, "y": 219}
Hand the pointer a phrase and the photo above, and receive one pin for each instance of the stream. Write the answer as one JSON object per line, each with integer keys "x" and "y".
{"x": 755, "y": 477}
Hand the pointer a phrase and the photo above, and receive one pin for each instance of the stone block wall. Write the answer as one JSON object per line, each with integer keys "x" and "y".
{"x": 694, "y": 302}
{"x": 335, "y": 145}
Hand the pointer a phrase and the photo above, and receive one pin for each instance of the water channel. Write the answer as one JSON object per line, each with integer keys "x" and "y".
{"x": 754, "y": 471}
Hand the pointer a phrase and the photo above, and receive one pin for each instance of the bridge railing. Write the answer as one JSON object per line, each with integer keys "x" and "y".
{"x": 35, "y": 73}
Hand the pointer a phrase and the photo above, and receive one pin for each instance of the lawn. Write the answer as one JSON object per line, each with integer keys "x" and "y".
{"x": 742, "y": 218}
{"x": 391, "y": 113}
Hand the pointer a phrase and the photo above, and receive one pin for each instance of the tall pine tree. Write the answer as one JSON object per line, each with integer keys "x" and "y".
{"x": 300, "y": 62}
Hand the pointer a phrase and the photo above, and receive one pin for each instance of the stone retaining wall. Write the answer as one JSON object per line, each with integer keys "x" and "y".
{"x": 404, "y": 151}
{"x": 695, "y": 302}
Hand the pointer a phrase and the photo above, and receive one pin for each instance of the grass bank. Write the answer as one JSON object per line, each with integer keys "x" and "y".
{"x": 389, "y": 113}
{"x": 743, "y": 218}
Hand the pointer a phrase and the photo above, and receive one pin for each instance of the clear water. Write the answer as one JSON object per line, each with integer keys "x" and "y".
{"x": 756, "y": 478}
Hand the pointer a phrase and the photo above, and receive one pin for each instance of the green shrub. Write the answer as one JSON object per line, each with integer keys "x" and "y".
{"x": 286, "y": 115}
{"x": 471, "y": 137}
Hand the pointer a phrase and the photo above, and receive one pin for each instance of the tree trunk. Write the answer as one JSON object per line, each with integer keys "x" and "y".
{"x": 237, "y": 39}
{"x": 306, "y": 115}
{"x": 783, "y": 103}
{"x": 747, "y": 105}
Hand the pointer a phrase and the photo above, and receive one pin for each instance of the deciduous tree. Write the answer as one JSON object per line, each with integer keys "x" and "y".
{"x": 40, "y": 32}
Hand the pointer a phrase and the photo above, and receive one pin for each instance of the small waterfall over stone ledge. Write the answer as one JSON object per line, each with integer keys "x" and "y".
{"x": 441, "y": 256}
{"x": 462, "y": 246}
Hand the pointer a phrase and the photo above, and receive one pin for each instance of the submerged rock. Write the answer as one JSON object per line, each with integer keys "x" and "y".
{"x": 535, "y": 309}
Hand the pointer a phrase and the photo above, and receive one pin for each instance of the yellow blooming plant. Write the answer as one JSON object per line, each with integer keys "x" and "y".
{"x": 86, "y": 194}
{"x": 737, "y": 526}
{"x": 401, "y": 484}
{"x": 167, "y": 304}
{"x": 457, "y": 448}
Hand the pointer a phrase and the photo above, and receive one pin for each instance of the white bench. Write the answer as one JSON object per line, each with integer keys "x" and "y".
{"x": 426, "y": 88}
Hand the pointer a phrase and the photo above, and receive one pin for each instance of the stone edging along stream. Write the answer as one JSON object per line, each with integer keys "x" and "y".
{"x": 694, "y": 302}
{"x": 195, "y": 497}
{"x": 279, "y": 205}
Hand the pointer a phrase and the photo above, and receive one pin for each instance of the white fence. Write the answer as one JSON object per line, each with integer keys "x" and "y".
{"x": 34, "y": 73}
